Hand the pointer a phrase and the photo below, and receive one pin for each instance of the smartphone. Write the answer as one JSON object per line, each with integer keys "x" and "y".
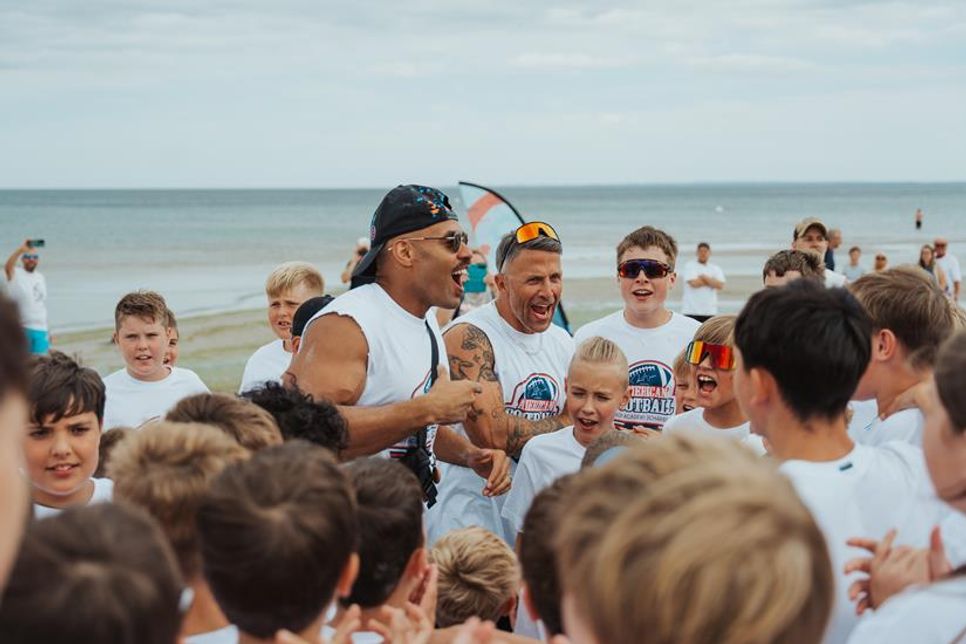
{"x": 36, "y": 243}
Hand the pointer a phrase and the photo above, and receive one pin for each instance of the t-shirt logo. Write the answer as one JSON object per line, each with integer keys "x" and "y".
{"x": 652, "y": 396}
{"x": 535, "y": 397}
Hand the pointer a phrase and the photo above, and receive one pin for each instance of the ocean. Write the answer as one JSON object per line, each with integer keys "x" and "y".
{"x": 210, "y": 250}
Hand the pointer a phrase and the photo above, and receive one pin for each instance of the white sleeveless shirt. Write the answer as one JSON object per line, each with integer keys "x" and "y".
{"x": 532, "y": 368}
{"x": 398, "y": 362}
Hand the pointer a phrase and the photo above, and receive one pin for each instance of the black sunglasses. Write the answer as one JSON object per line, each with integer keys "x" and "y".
{"x": 652, "y": 268}
{"x": 454, "y": 240}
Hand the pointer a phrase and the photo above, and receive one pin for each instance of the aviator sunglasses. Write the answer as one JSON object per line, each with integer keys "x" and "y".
{"x": 722, "y": 356}
{"x": 652, "y": 268}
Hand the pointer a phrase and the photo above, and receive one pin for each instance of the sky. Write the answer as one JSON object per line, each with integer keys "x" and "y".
{"x": 302, "y": 93}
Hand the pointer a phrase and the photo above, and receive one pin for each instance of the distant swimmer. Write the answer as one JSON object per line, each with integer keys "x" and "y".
{"x": 919, "y": 217}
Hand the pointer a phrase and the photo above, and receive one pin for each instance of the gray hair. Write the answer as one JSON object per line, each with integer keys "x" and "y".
{"x": 509, "y": 248}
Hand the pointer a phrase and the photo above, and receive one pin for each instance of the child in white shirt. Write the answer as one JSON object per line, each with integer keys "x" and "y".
{"x": 596, "y": 389}
{"x": 146, "y": 388}
{"x": 910, "y": 317}
{"x": 711, "y": 356}
{"x": 287, "y": 287}
{"x": 63, "y": 435}
{"x": 802, "y": 349}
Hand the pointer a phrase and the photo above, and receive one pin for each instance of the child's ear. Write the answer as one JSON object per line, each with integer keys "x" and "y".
{"x": 114, "y": 338}
{"x": 885, "y": 345}
{"x": 626, "y": 398}
{"x": 348, "y": 576}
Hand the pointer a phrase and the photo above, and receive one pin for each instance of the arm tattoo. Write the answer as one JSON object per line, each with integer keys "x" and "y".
{"x": 480, "y": 357}
{"x": 521, "y": 430}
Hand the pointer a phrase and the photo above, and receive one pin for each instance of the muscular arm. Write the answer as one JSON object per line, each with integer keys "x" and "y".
{"x": 331, "y": 364}
{"x": 488, "y": 425}
{"x": 8, "y": 268}
{"x": 450, "y": 447}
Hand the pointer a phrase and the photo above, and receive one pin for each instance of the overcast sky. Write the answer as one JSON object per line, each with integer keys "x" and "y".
{"x": 302, "y": 93}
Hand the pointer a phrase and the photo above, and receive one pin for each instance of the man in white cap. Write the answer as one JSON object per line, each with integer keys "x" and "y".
{"x": 811, "y": 236}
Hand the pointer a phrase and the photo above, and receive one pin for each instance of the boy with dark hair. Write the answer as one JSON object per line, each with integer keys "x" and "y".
{"x": 393, "y": 559}
{"x": 145, "y": 388}
{"x": 802, "y": 350}
{"x": 93, "y": 574}
{"x": 299, "y": 416}
{"x": 787, "y": 265}
{"x": 303, "y": 314}
{"x": 540, "y": 596}
{"x": 250, "y": 425}
{"x": 649, "y": 334}
{"x": 62, "y": 439}
{"x": 911, "y": 317}
{"x": 276, "y": 555}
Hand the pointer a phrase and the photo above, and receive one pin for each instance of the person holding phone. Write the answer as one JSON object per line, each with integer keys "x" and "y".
{"x": 28, "y": 288}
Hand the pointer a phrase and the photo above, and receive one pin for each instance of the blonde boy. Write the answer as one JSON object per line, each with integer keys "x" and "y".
{"x": 648, "y": 333}
{"x": 711, "y": 355}
{"x": 166, "y": 469}
{"x": 287, "y": 286}
{"x": 685, "y": 398}
{"x": 654, "y": 541}
{"x": 596, "y": 389}
{"x": 145, "y": 388}
{"x": 911, "y": 317}
{"x": 478, "y": 577}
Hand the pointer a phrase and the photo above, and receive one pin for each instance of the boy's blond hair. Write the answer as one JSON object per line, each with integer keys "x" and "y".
{"x": 287, "y": 276}
{"x": 146, "y": 305}
{"x": 598, "y": 350}
{"x": 906, "y": 301}
{"x": 648, "y": 236}
{"x": 718, "y": 330}
{"x": 681, "y": 368}
{"x": 478, "y": 576}
{"x": 166, "y": 468}
{"x": 250, "y": 425}
{"x": 693, "y": 540}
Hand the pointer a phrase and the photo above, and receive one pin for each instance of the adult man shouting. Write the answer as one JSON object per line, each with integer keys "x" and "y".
{"x": 511, "y": 349}
{"x": 377, "y": 352}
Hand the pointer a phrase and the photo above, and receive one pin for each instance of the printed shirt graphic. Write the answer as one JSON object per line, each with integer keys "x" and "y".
{"x": 535, "y": 398}
{"x": 650, "y": 354}
{"x": 652, "y": 395}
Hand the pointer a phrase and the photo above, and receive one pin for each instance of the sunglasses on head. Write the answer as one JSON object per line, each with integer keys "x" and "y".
{"x": 534, "y": 229}
{"x": 722, "y": 356}
{"x": 652, "y": 268}
{"x": 454, "y": 240}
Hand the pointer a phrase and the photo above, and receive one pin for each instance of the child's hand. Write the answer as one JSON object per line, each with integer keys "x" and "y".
{"x": 405, "y": 627}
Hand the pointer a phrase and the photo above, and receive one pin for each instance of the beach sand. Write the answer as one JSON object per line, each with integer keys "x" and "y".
{"x": 216, "y": 346}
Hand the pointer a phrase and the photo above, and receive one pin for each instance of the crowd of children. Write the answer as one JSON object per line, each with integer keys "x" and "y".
{"x": 795, "y": 473}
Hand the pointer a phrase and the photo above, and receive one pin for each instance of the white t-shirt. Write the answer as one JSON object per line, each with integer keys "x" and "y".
{"x": 905, "y": 426}
{"x": 864, "y": 494}
{"x": 700, "y": 300}
{"x": 544, "y": 459}
{"x": 833, "y": 279}
{"x": 400, "y": 352}
{"x": 693, "y": 423}
{"x": 267, "y": 364}
{"x": 103, "y": 493}
{"x": 950, "y": 265}
{"x": 933, "y": 614}
{"x": 650, "y": 356}
{"x": 131, "y": 402}
{"x": 226, "y": 635}
{"x": 29, "y": 291}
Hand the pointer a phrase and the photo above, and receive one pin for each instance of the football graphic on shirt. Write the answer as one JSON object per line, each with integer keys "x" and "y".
{"x": 535, "y": 397}
{"x": 652, "y": 395}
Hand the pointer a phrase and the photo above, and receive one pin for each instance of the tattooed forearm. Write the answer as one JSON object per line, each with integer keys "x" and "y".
{"x": 520, "y": 430}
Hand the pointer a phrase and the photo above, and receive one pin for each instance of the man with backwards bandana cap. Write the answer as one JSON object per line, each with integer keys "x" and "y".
{"x": 377, "y": 353}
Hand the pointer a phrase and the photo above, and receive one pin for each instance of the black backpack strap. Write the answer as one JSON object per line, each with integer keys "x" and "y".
{"x": 417, "y": 458}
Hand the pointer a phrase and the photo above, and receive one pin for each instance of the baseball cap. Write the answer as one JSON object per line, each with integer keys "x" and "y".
{"x": 805, "y": 224}
{"x": 403, "y": 210}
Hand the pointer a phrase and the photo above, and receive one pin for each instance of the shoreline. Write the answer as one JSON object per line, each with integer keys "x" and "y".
{"x": 217, "y": 344}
